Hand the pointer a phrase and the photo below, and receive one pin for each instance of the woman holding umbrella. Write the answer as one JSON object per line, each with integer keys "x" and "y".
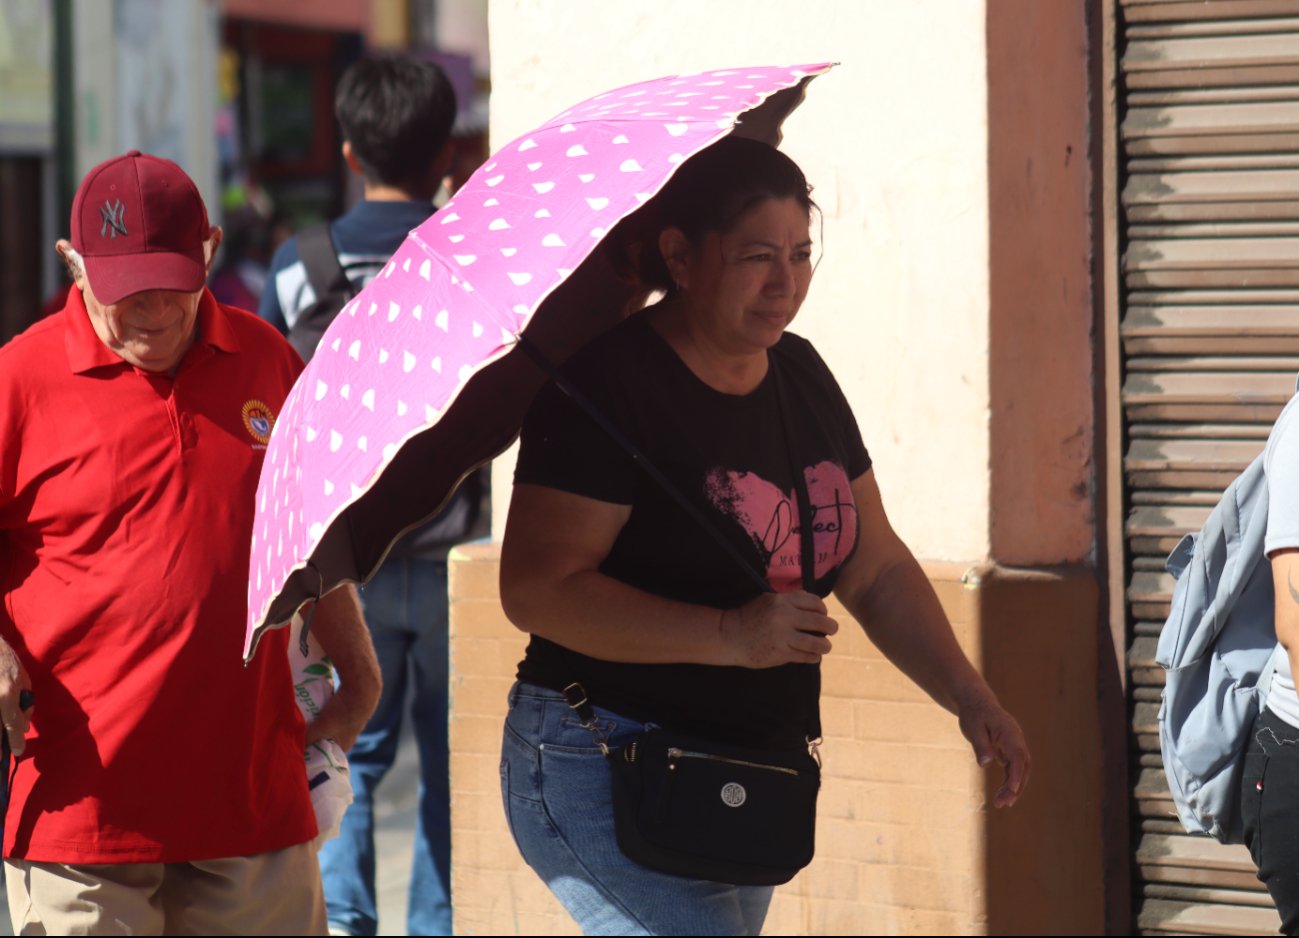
{"x": 658, "y": 626}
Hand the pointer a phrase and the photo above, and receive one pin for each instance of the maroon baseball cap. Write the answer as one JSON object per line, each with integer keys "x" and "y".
{"x": 140, "y": 224}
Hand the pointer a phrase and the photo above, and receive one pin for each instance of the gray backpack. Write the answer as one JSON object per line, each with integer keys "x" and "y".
{"x": 328, "y": 281}
{"x": 1217, "y": 648}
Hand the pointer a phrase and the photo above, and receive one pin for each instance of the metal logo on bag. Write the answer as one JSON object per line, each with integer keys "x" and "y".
{"x": 733, "y": 794}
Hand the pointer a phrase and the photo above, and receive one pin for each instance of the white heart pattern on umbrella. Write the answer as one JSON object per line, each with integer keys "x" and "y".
{"x": 601, "y": 160}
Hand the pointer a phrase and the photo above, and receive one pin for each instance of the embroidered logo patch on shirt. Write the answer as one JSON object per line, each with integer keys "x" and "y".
{"x": 258, "y": 420}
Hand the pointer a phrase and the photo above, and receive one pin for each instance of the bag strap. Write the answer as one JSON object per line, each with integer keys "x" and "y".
{"x": 320, "y": 259}
{"x": 803, "y": 502}
{"x": 807, "y": 549}
{"x": 642, "y": 460}
{"x": 575, "y": 694}
{"x": 575, "y": 697}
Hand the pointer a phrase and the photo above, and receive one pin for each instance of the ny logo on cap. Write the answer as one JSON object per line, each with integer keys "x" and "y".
{"x": 114, "y": 223}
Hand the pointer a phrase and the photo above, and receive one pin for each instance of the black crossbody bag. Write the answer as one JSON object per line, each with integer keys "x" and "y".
{"x": 709, "y": 810}
{"x": 700, "y": 808}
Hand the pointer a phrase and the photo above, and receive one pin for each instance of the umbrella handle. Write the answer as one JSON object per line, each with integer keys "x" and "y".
{"x": 311, "y": 613}
{"x": 663, "y": 482}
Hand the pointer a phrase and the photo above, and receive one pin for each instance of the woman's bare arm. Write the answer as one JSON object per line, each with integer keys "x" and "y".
{"x": 551, "y": 586}
{"x": 884, "y": 588}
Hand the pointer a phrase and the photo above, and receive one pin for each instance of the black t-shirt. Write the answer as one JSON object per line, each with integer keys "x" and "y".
{"x": 729, "y": 456}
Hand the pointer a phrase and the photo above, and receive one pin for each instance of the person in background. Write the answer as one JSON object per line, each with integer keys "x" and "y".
{"x": 395, "y": 113}
{"x": 1269, "y": 780}
{"x": 159, "y": 785}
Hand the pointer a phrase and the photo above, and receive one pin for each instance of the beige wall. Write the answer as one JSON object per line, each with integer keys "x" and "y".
{"x": 896, "y": 852}
{"x": 1040, "y": 317}
{"x": 899, "y": 307}
{"x": 906, "y": 843}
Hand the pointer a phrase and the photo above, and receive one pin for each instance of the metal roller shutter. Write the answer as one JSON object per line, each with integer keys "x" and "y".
{"x": 1209, "y": 139}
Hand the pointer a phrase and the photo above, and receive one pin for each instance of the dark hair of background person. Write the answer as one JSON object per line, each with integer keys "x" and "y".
{"x": 709, "y": 193}
{"x": 397, "y": 113}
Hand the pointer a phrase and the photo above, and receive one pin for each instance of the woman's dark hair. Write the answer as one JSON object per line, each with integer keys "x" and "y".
{"x": 396, "y": 111}
{"x": 709, "y": 193}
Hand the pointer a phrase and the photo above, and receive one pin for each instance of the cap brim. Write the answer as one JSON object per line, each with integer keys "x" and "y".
{"x": 118, "y": 276}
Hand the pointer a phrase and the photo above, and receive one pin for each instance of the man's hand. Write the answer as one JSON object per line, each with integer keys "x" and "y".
{"x": 15, "y": 690}
{"x": 342, "y": 633}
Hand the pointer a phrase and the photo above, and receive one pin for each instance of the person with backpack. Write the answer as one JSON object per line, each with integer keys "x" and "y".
{"x": 1229, "y": 713}
{"x": 1269, "y": 786}
{"x": 395, "y": 113}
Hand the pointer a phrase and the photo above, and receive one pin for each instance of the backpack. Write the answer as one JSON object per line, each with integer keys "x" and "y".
{"x": 1217, "y": 647}
{"x": 328, "y": 281}
{"x": 456, "y": 522}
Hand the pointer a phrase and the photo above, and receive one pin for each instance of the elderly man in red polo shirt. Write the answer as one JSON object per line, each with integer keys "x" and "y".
{"x": 159, "y": 785}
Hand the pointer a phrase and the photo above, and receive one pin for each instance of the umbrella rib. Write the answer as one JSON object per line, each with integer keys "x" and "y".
{"x": 433, "y": 254}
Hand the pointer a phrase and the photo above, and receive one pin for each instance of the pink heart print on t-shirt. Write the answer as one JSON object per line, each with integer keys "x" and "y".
{"x": 770, "y": 516}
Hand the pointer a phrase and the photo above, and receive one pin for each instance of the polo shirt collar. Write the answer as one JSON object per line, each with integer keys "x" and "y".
{"x": 86, "y": 351}
{"x": 214, "y": 327}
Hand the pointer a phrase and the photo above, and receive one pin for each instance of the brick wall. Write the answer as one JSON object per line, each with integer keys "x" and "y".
{"x": 901, "y": 829}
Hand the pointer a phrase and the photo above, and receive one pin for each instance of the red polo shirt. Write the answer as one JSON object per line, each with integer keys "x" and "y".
{"x": 126, "y": 511}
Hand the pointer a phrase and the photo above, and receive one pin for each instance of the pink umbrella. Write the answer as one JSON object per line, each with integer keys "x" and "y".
{"x": 413, "y": 384}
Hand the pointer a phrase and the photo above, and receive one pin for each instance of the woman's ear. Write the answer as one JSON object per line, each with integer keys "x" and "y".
{"x": 674, "y": 247}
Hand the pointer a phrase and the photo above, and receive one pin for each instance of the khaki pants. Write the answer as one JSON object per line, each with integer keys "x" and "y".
{"x": 270, "y": 894}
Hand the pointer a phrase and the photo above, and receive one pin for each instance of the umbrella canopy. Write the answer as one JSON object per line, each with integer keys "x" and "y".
{"x": 414, "y": 384}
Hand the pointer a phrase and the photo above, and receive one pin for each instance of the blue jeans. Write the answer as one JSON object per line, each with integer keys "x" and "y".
{"x": 556, "y": 787}
{"x": 406, "y": 608}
